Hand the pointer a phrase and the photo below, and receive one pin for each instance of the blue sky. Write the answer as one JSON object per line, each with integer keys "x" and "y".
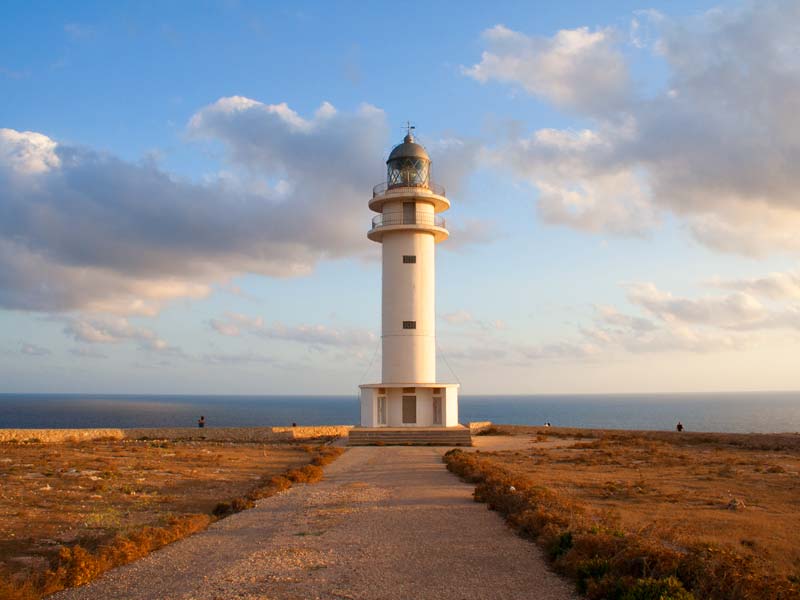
{"x": 181, "y": 216}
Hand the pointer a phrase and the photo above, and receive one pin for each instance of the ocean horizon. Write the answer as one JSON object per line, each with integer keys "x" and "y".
{"x": 735, "y": 412}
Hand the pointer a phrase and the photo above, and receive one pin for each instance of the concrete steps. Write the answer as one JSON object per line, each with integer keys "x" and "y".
{"x": 397, "y": 436}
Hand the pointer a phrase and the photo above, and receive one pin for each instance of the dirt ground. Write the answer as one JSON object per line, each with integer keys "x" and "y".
{"x": 56, "y": 494}
{"x": 386, "y": 523}
{"x": 740, "y": 492}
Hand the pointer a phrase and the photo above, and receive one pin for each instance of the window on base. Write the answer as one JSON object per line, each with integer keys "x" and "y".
{"x": 409, "y": 259}
{"x": 409, "y": 324}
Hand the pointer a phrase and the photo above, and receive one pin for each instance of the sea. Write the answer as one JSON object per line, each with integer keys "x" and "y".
{"x": 763, "y": 412}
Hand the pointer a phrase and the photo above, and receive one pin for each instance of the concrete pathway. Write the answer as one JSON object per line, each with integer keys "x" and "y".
{"x": 386, "y": 523}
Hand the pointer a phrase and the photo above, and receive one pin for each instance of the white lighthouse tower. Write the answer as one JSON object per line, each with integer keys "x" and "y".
{"x": 409, "y": 226}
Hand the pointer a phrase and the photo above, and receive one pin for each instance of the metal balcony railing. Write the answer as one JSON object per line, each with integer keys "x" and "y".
{"x": 382, "y": 188}
{"x": 418, "y": 218}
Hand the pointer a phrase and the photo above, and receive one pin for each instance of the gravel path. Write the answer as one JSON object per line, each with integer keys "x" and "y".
{"x": 386, "y": 523}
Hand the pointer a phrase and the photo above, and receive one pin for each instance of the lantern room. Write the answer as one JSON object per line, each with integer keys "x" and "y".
{"x": 408, "y": 165}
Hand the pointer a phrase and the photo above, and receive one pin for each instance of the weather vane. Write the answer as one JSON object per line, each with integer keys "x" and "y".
{"x": 409, "y": 127}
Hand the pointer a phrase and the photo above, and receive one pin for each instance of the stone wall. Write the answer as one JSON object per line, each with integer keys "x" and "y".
{"x": 478, "y": 426}
{"x": 230, "y": 434}
{"x": 59, "y": 435}
{"x": 237, "y": 434}
{"x": 314, "y": 431}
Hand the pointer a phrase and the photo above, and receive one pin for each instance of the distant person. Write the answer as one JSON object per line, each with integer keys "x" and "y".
{"x": 294, "y": 424}
{"x": 547, "y": 424}
{"x": 201, "y": 422}
{"x": 679, "y": 427}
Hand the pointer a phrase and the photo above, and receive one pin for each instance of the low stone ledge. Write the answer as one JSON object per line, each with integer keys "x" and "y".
{"x": 478, "y": 426}
{"x": 229, "y": 434}
{"x": 315, "y": 431}
{"x": 237, "y": 434}
{"x": 59, "y": 435}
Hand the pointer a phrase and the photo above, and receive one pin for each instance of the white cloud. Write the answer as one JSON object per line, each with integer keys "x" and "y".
{"x": 613, "y": 203}
{"x": 738, "y": 311}
{"x": 734, "y": 310}
{"x": 81, "y": 230}
{"x": 453, "y": 159}
{"x": 319, "y": 334}
{"x": 670, "y": 324}
{"x": 717, "y": 146}
{"x": 581, "y": 184}
{"x": 643, "y": 31}
{"x": 27, "y": 152}
{"x": 235, "y": 324}
{"x": 113, "y": 331}
{"x": 775, "y": 286}
{"x": 680, "y": 338}
{"x": 225, "y": 328}
{"x": 666, "y": 323}
{"x": 576, "y": 68}
{"x": 616, "y": 331}
{"x": 611, "y": 316}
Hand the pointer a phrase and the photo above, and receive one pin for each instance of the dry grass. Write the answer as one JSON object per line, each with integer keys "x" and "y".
{"x": 70, "y": 511}
{"x": 718, "y": 512}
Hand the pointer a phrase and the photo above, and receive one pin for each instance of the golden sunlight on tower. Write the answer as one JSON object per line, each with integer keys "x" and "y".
{"x": 409, "y": 226}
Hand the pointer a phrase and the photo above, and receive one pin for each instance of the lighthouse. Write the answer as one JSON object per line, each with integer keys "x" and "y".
{"x": 408, "y": 225}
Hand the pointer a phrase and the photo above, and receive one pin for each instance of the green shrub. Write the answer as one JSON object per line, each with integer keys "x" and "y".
{"x": 591, "y": 569}
{"x": 560, "y": 545}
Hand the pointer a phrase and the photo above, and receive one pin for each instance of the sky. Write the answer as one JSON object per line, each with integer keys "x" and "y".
{"x": 184, "y": 188}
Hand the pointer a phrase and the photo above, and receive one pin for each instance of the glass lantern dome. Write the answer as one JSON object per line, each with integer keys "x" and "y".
{"x": 408, "y": 165}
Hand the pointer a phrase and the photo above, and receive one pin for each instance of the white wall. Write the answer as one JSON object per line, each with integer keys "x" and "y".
{"x": 394, "y": 397}
{"x": 450, "y": 406}
{"x": 408, "y": 294}
{"x": 368, "y": 409}
{"x": 424, "y": 407}
{"x": 424, "y": 398}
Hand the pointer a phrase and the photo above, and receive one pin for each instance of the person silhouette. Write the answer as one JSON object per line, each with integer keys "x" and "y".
{"x": 679, "y": 427}
{"x": 201, "y": 422}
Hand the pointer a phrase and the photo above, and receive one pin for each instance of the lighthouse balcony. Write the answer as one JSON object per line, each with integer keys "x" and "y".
{"x": 428, "y": 192}
{"x": 422, "y": 221}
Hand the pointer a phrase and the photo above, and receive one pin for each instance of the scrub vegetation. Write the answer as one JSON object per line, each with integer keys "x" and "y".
{"x": 641, "y": 515}
{"x": 69, "y": 512}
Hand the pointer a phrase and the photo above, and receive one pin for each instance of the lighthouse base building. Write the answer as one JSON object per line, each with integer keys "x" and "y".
{"x": 409, "y": 404}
